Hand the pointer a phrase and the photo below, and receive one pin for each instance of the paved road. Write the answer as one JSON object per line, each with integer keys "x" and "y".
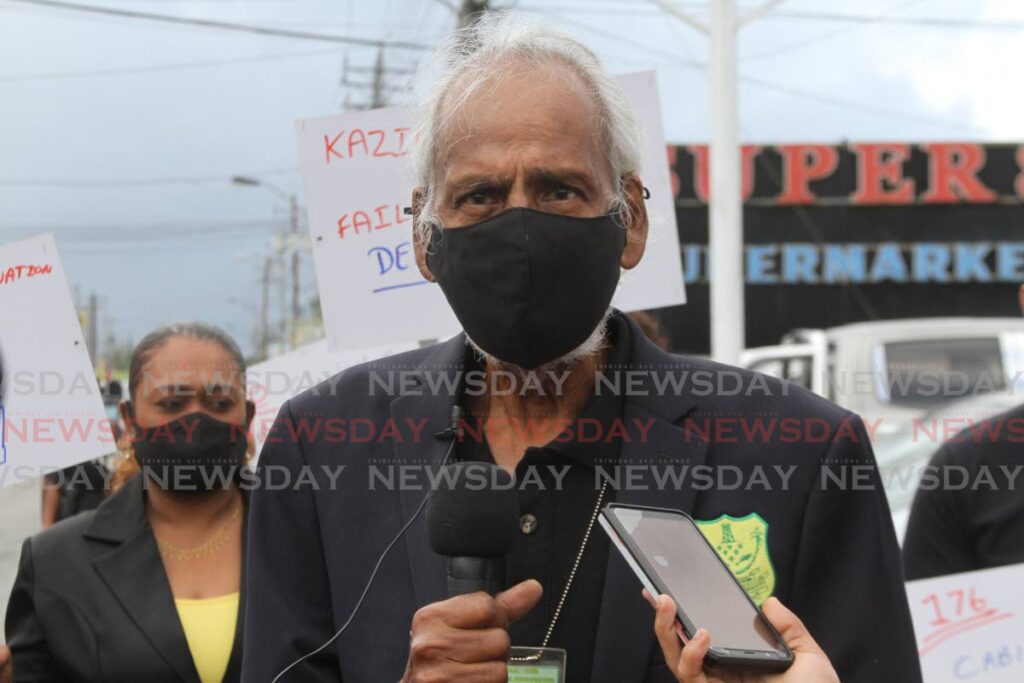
{"x": 20, "y": 516}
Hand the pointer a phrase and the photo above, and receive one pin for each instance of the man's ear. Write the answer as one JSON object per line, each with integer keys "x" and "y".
{"x": 637, "y": 225}
{"x": 250, "y": 413}
{"x": 419, "y": 196}
{"x": 1020, "y": 298}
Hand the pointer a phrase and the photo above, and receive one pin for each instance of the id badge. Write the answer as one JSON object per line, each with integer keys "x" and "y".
{"x": 536, "y": 665}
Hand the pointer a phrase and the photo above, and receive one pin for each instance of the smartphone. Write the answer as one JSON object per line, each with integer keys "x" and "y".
{"x": 670, "y": 556}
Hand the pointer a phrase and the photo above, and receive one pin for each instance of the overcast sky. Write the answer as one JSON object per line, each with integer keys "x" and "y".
{"x": 121, "y": 135}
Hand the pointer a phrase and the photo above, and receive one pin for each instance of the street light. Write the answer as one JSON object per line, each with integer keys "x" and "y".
{"x": 249, "y": 181}
{"x": 293, "y": 246}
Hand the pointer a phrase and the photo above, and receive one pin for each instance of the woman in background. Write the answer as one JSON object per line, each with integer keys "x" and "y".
{"x": 148, "y": 586}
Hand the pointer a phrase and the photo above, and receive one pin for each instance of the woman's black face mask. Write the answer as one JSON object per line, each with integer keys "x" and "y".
{"x": 528, "y": 287}
{"x": 196, "y": 453}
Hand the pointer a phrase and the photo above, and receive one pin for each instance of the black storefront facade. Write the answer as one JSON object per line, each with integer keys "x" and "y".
{"x": 861, "y": 231}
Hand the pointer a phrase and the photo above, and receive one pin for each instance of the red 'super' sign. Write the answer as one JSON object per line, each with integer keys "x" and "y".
{"x": 861, "y": 173}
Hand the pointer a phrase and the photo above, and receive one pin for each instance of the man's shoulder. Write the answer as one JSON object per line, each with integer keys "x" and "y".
{"x": 718, "y": 387}
{"x": 992, "y": 440}
{"x": 369, "y": 384}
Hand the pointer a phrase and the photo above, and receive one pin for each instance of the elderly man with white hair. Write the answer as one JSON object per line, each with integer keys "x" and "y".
{"x": 528, "y": 207}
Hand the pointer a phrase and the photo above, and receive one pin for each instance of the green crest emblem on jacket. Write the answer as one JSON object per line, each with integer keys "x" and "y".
{"x": 742, "y": 543}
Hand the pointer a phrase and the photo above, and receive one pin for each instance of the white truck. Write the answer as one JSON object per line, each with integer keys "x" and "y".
{"x": 915, "y": 382}
{"x": 897, "y": 370}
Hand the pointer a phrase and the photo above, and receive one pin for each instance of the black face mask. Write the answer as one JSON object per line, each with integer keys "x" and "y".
{"x": 528, "y": 286}
{"x": 196, "y": 453}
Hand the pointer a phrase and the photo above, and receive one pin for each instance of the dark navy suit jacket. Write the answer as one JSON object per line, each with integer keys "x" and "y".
{"x": 832, "y": 547}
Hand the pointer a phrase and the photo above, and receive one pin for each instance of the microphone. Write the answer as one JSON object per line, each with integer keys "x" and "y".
{"x": 473, "y": 519}
{"x": 454, "y": 428}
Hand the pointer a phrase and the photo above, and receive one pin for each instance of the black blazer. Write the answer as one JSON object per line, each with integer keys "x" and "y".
{"x": 963, "y": 529}
{"x": 91, "y": 602}
{"x": 833, "y": 552}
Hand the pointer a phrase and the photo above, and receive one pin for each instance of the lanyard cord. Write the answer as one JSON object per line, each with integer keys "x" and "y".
{"x": 576, "y": 564}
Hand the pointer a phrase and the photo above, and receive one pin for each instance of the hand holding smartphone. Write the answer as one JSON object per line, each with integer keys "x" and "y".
{"x": 670, "y": 556}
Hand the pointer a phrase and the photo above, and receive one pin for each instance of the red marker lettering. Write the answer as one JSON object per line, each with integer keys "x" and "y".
{"x": 378, "y": 135}
{"x": 15, "y": 273}
{"x": 358, "y": 143}
{"x": 329, "y": 146}
{"x": 357, "y": 138}
{"x": 380, "y": 217}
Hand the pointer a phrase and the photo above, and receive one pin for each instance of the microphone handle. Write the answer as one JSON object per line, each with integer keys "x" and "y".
{"x": 473, "y": 574}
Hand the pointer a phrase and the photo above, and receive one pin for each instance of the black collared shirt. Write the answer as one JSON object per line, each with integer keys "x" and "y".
{"x": 559, "y": 488}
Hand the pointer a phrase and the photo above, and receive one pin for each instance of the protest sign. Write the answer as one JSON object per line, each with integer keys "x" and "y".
{"x": 970, "y": 626}
{"x": 51, "y": 410}
{"x": 275, "y": 380}
{"x": 357, "y": 177}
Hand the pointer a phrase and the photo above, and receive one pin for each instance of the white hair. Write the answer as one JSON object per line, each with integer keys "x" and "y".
{"x": 594, "y": 343}
{"x": 480, "y": 54}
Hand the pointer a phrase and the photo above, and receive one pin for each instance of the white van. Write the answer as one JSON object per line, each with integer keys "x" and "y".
{"x": 891, "y": 372}
{"x": 915, "y": 382}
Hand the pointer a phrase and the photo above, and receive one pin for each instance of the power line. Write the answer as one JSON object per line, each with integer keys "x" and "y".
{"x": 188, "y": 238}
{"x": 606, "y": 11}
{"x": 826, "y": 35}
{"x": 141, "y": 182}
{"x": 852, "y": 105}
{"x": 926, "y": 22}
{"x": 623, "y": 40}
{"x": 173, "y": 66}
{"x": 813, "y": 96}
{"x": 226, "y": 26}
{"x": 147, "y": 231}
{"x": 930, "y": 22}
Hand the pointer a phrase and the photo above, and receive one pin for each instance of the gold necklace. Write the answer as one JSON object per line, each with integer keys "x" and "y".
{"x": 208, "y": 547}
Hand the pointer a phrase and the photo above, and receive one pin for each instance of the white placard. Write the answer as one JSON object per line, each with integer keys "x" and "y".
{"x": 52, "y": 411}
{"x": 970, "y": 626}
{"x": 358, "y": 180}
{"x": 275, "y": 380}
{"x": 658, "y": 280}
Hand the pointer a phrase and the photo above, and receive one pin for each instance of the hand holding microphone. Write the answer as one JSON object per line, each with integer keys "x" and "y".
{"x": 465, "y": 638}
{"x": 472, "y": 519}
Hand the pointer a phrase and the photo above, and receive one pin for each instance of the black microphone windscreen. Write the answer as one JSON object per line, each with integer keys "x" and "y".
{"x": 473, "y": 511}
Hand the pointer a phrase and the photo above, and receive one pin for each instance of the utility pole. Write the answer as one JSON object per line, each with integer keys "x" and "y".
{"x": 265, "y": 307}
{"x": 725, "y": 204}
{"x": 294, "y": 240}
{"x": 109, "y": 342}
{"x": 379, "y": 88}
{"x": 283, "y": 326}
{"x": 377, "y": 100}
{"x": 94, "y": 333}
{"x": 726, "y": 279}
{"x": 285, "y": 241}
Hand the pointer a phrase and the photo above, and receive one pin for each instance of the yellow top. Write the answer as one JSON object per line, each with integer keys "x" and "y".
{"x": 209, "y": 625}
